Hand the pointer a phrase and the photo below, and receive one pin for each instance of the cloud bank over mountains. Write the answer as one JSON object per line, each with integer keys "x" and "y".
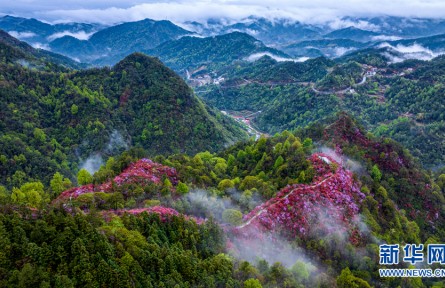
{"x": 316, "y": 11}
{"x": 415, "y": 51}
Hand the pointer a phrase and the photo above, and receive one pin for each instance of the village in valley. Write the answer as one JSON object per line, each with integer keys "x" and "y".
{"x": 197, "y": 79}
{"x": 201, "y": 78}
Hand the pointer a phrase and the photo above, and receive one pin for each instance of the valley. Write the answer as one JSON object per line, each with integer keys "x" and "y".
{"x": 245, "y": 117}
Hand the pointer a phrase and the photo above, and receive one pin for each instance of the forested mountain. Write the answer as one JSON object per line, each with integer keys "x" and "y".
{"x": 101, "y": 45}
{"x": 77, "y": 49}
{"x": 93, "y": 43}
{"x": 109, "y": 45}
{"x": 435, "y": 43}
{"x": 283, "y": 31}
{"x": 51, "y": 120}
{"x": 267, "y": 69}
{"x": 37, "y": 32}
{"x": 352, "y": 33}
{"x": 212, "y": 52}
{"x": 15, "y": 51}
{"x": 153, "y": 224}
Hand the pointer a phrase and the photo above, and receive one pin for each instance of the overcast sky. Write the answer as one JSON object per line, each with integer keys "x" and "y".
{"x": 315, "y": 11}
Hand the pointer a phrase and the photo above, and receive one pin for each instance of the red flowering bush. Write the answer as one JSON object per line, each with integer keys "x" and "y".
{"x": 164, "y": 212}
{"x": 328, "y": 205}
{"x": 413, "y": 191}
{"x": 142, "y": 172}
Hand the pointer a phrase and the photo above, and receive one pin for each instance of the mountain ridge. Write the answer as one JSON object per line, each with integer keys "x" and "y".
{"x": 111, "y": 44}
{"x": 22, "y": 50}
{"x": 192, "y": 52}
{"x": 139, "y": 100}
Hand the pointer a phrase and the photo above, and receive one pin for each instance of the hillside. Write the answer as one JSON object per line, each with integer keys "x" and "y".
{"x": 272, "y": 198}
{"x": 51, "y": 121}
{"x": 211, "y": 52}
{"x": 400, "y": 100}
{"x": 406, "y": 183}
{"x": 332, "y": 190}
{"x": 247, "y": 87}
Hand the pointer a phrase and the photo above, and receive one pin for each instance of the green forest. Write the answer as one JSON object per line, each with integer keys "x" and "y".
{"x": 52, "y": 119}
{"x": 44, "y": 244}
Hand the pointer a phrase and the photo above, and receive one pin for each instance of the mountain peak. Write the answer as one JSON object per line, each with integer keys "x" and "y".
{"x": 353, "y": 33}
{"x": 140, "y": 58}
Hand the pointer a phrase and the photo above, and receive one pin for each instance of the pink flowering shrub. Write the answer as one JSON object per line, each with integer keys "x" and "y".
{"x": 142, "y": 172}
{"x": 328, "y": 205}
{"x": 164, "y": 212}
{"x": 413, "y": 191}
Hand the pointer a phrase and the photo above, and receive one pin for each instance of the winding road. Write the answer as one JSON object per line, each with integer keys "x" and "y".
{"x": 362, "y": 82}
{"x": 329, "y": 92}
{"x": 338, "y": 91}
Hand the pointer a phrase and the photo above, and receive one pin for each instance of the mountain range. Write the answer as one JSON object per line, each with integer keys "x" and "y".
{"x": 106, "y": 45}
{"x": 115, "y": 42}
{"x": 41, "y": 33}
{"x": 194, "y": 52}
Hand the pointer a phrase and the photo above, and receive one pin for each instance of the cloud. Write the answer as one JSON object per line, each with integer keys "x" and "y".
{"x": 345, "y": 23}
{"x": 39, "y": 45}
{"x": 346, "y": 162}
{"x": 23, "y": 63}
{"x": 340, "y": 51}
{"x": 268, "y": 246}
{"x": 177, "y": 12}
{"x": 93, "y": 163}
{"x": 81, "y": 35}
{"x": 385, "y": 38}
{"x": 414, "y": 51}
{"x": 315, "y": 11}
{"x": 191, "y": 35}
{"x": 203, "y": 204}
{"x": 117, "y": 142}
{"x": 22, "y": 35}
{"x": 256, "y": 56}
{"x": 248, "y": 31}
